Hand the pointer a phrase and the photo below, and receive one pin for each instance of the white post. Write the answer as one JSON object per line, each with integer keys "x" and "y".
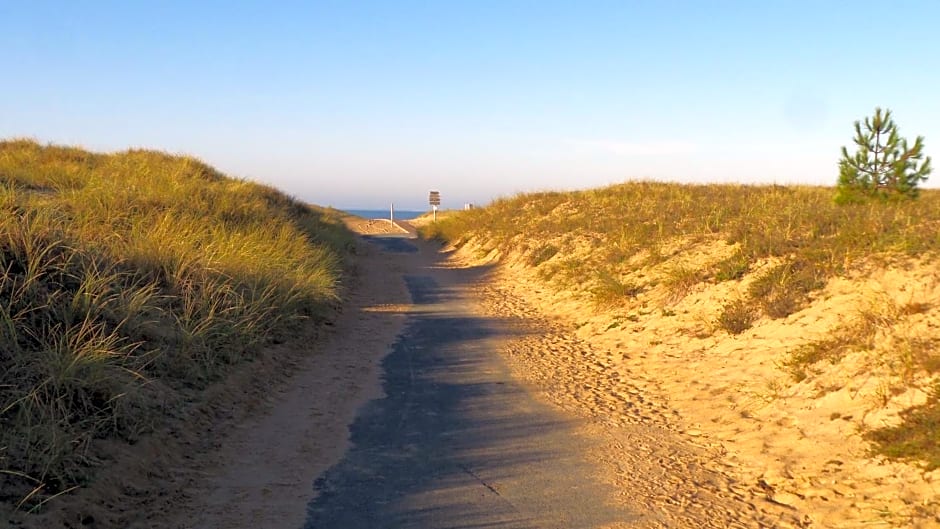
{"x": 434, "y": 208}
{"x": 391, "y": 213}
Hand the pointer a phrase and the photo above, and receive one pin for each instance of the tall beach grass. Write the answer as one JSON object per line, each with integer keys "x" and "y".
{"x": 646, "y": 223}
{"x": 126, "y": 278}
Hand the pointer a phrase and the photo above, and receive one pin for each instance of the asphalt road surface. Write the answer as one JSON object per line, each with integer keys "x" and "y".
{"x": 455, "y": 442}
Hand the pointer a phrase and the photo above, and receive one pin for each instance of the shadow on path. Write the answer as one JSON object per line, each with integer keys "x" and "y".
{"x": 455, "y": 443}
{"x": 395, "y": 243}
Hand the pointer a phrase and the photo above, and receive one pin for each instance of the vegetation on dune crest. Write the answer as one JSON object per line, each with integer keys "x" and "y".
{"x": 614, "y": 244}
{"x": 884, "y": 166}
{"x": 641, "y": 223}
{"x": 126, "y": 279}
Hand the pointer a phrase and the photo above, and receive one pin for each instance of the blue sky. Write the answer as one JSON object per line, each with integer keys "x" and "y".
{"x": 358, "y": 104}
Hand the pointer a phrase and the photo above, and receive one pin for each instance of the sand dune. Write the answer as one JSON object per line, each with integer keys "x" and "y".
{"x": 662, "y": 363}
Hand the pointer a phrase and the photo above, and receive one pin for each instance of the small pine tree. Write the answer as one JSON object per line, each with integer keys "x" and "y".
{"x": 884, "y": 166}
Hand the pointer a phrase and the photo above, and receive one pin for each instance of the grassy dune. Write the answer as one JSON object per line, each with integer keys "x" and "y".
{"x": 787, "y": 241}
{"x": 129, "y": 280}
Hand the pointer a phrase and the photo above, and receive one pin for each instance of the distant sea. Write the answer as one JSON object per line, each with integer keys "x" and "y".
{"x": 400, "y": 214}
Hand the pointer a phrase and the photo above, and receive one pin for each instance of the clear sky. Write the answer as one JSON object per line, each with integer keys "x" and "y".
{"x": 358, "y": 103}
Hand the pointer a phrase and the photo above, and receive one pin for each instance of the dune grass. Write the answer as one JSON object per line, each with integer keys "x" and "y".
{"x": 788, "y": 240}
{"x": 810, "y": 237}
{"x": 127, "y": 278}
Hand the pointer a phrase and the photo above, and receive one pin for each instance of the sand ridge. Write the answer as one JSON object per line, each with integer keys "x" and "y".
{"x": 772, "y": 440}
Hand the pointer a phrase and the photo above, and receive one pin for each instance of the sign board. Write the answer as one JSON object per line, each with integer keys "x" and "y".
{"x": 434, "y": 198}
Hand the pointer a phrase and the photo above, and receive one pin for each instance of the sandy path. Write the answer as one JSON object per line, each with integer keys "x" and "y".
{"x": 263, "y": 474}
{"x": 455, "y": 441}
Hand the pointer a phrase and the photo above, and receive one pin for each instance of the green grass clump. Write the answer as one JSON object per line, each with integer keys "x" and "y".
{"x": 611, "y": 290}
{"x": 905, "y": 356}
{"x": 732, "y": 268}
{"x": 786, "y": 288}
{"x": 128, "y": 278}
{"x": 831, "y": 349}
{"x": 680, "y": 280}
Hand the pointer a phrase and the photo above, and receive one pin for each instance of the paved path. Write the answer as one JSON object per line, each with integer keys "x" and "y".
{"x": 455, "y": 442}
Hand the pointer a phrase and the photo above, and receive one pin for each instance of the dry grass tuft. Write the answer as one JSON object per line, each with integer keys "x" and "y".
{"x": 737, "y": 317}
{"x": 812, "y": 237}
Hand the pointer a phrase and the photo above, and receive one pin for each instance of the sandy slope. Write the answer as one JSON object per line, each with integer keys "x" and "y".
{"x": 768, "y": 438}
{"x": 674, "y": 478}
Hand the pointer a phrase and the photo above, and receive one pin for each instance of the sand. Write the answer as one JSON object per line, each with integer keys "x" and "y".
{"x": 767, "y": 438}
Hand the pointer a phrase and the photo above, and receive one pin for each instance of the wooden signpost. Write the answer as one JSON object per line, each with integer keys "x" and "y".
{"x": 434, "y": 199}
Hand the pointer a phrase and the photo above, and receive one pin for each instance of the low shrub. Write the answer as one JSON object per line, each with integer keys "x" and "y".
{"x": 737, "y": 317}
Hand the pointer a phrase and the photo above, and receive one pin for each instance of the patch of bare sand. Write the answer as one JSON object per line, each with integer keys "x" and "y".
{"x": 765, "y": 442}
{"x": 373, "y": 226}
